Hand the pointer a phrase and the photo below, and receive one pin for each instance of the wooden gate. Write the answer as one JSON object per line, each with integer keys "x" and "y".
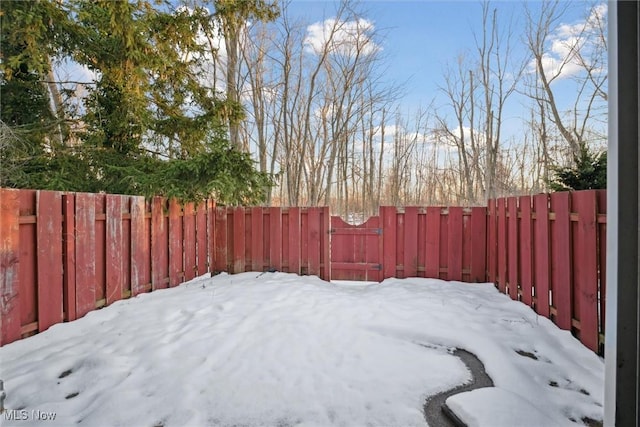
{"x": 356, "y": 249}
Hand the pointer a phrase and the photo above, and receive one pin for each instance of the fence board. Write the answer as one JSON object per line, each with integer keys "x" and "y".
{"x": 275, "y": 236}
{"x": 201, "y": 239}
{"x": 239, "y": 234}
{"x": 69, "y": 266}
{"x": 561, "y": 256}
{"x": 444, "y": 244}
{"x": 586, "y": 267}
{"x": 85, "y": 253}
{"x": 314, "y": 240}
{"x": 211, "y": 234}
{"x": 492, "y": 242}
{"x": 304, "y": 242}
{"x": 257, "y": 239}
{"x": 9, "y": 263}
{"x": 512, "y": 251}
{"x": 478, "y": 240}
{"x": 221, "y": 239}
{"x": 99, "y": 256}
{"x": 421, "y": 236}
{"x": 49, "y": 244}
{"x": 399, "y": 243}
{"x": 114, "y": 262}
{"x": 176, "y": 244}
{"x": 432, "y": 243}
{"x": 388, "y": 216}
{"x": 159, "y": 245}
{"x": 27, "y": 261}
{"x": 137, "y": 245}
{"x": 325, "y": 242}
{"x": 294, "y": 240}
{"x": 410, "y": 260}
{"x": 502, "y": 246}
{"x": 455, "y": 233}
{"x": 541, "y": 254}
{"x": 526, "y": 270}
{"x": 189, "y": 221}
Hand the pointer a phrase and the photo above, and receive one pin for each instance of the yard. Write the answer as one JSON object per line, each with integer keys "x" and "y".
{"x": 278, "y": 349}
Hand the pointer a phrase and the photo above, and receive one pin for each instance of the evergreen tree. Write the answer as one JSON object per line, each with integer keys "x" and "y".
{"x": 151, "y": 127}
{"x": 589, "y": 172}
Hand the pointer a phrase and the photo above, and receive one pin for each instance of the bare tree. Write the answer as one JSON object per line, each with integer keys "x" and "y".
{"x": 499, "y": 74}
{"x": 569, "y": 52}
{"x": 459, "y": 91}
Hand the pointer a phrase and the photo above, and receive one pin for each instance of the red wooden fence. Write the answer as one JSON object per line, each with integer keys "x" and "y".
{"x": 293, "y": 240}
{"x": 433, "y": 242}
{"x": 549, "y": 252}
{"x": 65, "y": 254}
{"x": 356, "y": 250}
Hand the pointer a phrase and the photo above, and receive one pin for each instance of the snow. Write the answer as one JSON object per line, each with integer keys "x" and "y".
{"x": 277, "y": 349}
{"x": 496, "y": 406}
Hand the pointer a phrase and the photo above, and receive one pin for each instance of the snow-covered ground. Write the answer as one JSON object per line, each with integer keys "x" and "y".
{"x": 277, "y": 349}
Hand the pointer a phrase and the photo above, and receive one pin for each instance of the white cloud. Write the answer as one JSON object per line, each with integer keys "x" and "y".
{"x": 341, "y": 37}
{"x": 389, "y": 131}
{"x": 570, "y": 44}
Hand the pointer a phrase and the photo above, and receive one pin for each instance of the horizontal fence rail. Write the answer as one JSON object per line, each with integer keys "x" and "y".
{"x": 65, "y": 254}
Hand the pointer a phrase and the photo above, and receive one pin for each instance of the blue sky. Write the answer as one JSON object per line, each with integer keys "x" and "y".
{"x": 420, "y": 37}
